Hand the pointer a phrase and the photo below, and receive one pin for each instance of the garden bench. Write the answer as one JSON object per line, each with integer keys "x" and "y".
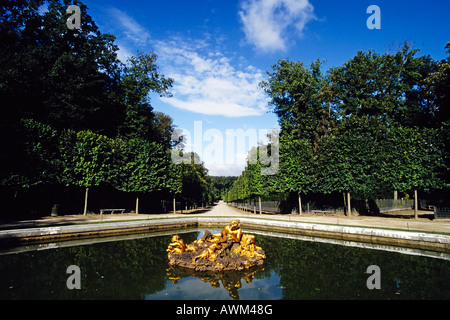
{"x": 324, "y": 212}
{"x": 112, "y": 210}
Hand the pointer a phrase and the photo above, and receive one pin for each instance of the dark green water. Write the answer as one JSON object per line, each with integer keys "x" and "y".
{"x": 295, "y": 269}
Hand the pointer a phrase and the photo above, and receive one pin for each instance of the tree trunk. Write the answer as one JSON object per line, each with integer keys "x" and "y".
{"x": 260, "y": 209}
{"x": 416, "y": 205}
{"x": 174, "y": 205}
{"x": 395, "y": 195}
{"x": 349, "y": 206}
{"x": 345, "y": 201}
{"x": 300, "y": 211}
{"x": 137, "y": 204}
{"x": 15, "y": 204}
{"x": 85, "y": 201}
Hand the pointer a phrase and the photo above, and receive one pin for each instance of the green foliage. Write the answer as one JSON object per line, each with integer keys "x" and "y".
{"x": 86, "y": 158}
{"x": 174, "y": 182}
{"x": 438, "y": 85}
{"x": 64, "y": 78}
{"x": 195, "y": 183}
{"x": 141, "y": 76}
{"x": 72, "y": 79}
{"x": 349, "y": 163}
{"x": 413, "y": 159}
{"x": 143, "y": 166}
{"x": 297, "y": 96}
{"x": 377, "y": 123}
{"x": 251, "y": 183}
{"x": 296, "y": 172}
{"x": 220, "y": 185}
{"x": 36, "y": 160}
{"x": 389, "y": 87}
{"x": 72, "y": 114}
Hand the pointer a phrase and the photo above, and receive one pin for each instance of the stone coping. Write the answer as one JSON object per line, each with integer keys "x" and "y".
{"x": 411, "y": 239}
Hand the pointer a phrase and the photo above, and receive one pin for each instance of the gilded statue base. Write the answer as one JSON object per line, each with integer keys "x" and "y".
{"x": 229, "y": 250}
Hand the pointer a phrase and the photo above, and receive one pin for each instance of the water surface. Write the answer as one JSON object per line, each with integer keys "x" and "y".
{"x": 136, "y": 268}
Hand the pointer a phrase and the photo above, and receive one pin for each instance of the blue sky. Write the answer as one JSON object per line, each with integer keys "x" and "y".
{"x": 218, "y": 51}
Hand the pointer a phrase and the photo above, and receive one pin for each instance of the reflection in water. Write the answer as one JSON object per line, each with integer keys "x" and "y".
{"x": 231, "y": 281}
{"x": 224, "y": 286}
{"x": 294, "y": 269}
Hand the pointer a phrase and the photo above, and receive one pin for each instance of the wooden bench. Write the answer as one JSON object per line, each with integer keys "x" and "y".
{"x": 324, "y": 212}
{"x": 112, "y": 210}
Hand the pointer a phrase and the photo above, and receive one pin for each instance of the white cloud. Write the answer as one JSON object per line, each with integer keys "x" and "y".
{"x": 206, "y": 82}
{"x": 130, "y": 34}
{"x": 131, "y": 29}
{"x": 225, "y": 170}
{"x": 266, "y": 22}
{"x": 124, "y": 53}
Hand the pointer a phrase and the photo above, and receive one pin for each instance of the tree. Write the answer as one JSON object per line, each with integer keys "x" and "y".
{"x": 72, "y": 79}
{"x": 189, "y": 178}
{"x": 220, "y": 185}
{"x": 51, "y": 79}
{"x": 413, "y": 160}
{"x": 438, "y": 85}
{"x": 195, "y": 182}
{"x": 164, "y": 130}
{"x": 174, "y": 183}
{"x": 297, "y": 97}
{"x": 253, "y": 178}
{"x": 36, "y": 161}
{"x": 72, "y": 113}
{"x": 143, "y": 167}
{"x": 389, "y": 87}
{"x": 349, "y": 163}
{"x": 31, "y": 159}
{"x": 60, "y": 77}
{"x": 373, "y": 94}
{"x": 140, "y": 77}
{"x": 300, "y": 97}
{"x": 297, "y": 168}
{"x": 86, "y": 159}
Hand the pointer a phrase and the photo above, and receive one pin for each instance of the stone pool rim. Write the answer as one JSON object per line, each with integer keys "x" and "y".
{"x": 399, "y": 238}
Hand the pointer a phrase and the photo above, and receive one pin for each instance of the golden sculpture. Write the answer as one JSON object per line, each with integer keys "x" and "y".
{"x": 178, "y": 246}
{"x": 232, "y": 232}
{"x": 248, "y": 247}
{"x": 228, "y": 250}
{"x": 208, "y": 253}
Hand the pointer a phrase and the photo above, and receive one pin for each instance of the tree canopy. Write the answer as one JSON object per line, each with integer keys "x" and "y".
{"x": 74, "y": 115}
{"x": 375, "y": 124}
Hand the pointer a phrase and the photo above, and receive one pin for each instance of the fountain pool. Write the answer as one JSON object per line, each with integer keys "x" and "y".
{"x": 297, "y": 267}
